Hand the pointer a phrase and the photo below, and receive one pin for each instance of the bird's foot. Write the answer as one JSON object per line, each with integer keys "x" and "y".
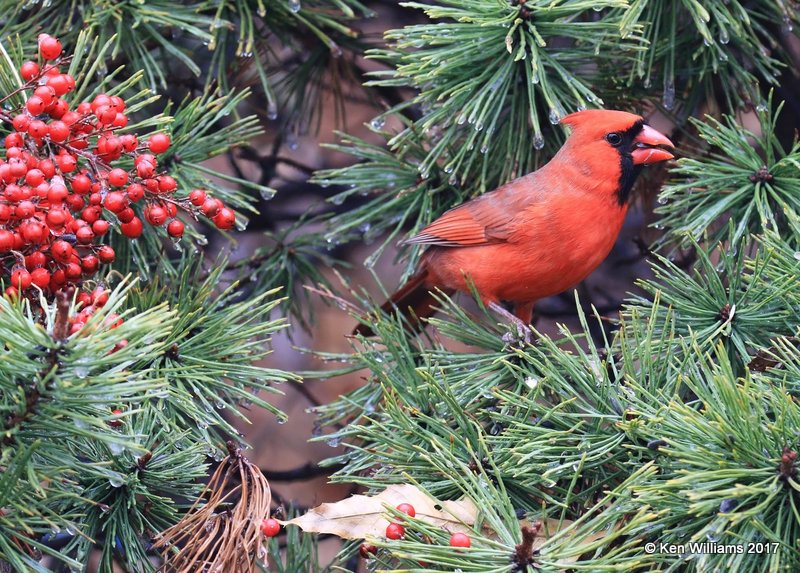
{"x": 524, "y": 334}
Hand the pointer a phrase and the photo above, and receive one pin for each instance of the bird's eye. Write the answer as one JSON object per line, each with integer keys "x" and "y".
{"x": 614, "y": 138}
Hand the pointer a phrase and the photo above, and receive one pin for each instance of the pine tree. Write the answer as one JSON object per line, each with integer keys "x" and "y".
{"x": 669, "y": 417}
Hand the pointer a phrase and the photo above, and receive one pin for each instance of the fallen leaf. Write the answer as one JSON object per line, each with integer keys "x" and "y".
{"x": 360, "y": 516}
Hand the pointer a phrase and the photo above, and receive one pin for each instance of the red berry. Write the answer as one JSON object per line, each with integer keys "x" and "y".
{"x": 117, "y": 177}
{"x": 106, "y": 254}
{"x": 99, "y": 297}
{"x": 159, "y": 143}
{"x": 20, "y": 278}
{"x": 58, "y": 131}
{"x": 73, "y": 271}
{"x": 225, "y": 219}
{"x": 49, "y": 47}
{"x": 66, "y": 162}
{"x": 129, "y": 142}
{"x": 132, "y": 229}
{"x": 115, "y": 423}
{"x": 46, "y": 93}
{"x": 84, "y": 235}
{"x": 81, "y": 184}
{"x": 60, "y": 84}
{"x": 40, "y": 277}
{"x": 197, "y": 197}
{"x": 126, "y": 215}
{"x": 135, "y": 192}
{"x": 460, "y": 540}
{"x": 6, "y": 240}
{"x": 115, "y": 201}
{"x": 167, "y": 184}
{"x": 270, "y": 527}
{"x": 155, "y": 215}
{"x": 37, "y": 129}
{"x": 395, "y": 531}
{"x": 211, "y": 207}
{"x": 56, "y": 218}
{"x": 34, "y": 105}
{"x": 367, "y": 550}
{"x": 407, "y": 508}
{"x": 175, "y": 228}
{"x": 100, "y": 227}
{"x": 61, "y": 251}
{"x": 21, "y": 122}
{"x": 28, "y": 70}
{"x": 90, "y": 264}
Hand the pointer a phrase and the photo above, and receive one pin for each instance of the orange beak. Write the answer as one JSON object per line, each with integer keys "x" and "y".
{"x": 651, "y": 146}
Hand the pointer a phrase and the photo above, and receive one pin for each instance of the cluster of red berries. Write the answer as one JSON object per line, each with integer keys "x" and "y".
{"x": 398, "y": 531}
{"x": 61, "y": 188}
{"x": 89, "y": 303}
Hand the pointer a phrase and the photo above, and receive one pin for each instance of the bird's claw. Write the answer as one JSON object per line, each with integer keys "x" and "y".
{"x": 524, "y": 334}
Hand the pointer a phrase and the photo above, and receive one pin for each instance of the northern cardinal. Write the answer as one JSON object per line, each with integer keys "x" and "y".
{"x": 539, "y": 234}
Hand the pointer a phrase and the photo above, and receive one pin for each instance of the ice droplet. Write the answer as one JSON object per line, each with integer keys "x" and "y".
{"x": 116, "y": 448}
{"x": 553, "y": 116}
{"x": 724, "y": 38}
{"x": 272, "y": 111}
{"x": 761, "y": 108}
{"x": 334, "y": 442}
{"x": 116, "y": 479}
{"x": 377, "y": 123}
{"x": 266, "y": 194}
{"x": 294, "y": 6}
{"x": 538, "y": 141}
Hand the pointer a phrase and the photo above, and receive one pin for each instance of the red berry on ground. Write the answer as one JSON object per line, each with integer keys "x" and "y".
{"x": 407, "y": 508}
{"x": 159, "y": 143}
{"x": 395, "y": 531}
{"x": 270, "y": 527}
{"x": 460, "y": 540}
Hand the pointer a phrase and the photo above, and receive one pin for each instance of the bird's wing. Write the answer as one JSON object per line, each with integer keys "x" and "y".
{"x": 484, "y": 220}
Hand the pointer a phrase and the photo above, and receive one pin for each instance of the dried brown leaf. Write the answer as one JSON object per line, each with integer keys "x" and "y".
{"x": 362, "y": 516}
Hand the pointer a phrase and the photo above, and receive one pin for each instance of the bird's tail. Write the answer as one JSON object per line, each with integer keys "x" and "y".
{"x": 413, "y": 301}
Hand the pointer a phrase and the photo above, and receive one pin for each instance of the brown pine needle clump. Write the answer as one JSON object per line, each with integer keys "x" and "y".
{"x": 223, "y": 533}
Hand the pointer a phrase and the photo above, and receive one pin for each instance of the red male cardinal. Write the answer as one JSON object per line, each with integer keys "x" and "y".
{"x": 541, "y": 233}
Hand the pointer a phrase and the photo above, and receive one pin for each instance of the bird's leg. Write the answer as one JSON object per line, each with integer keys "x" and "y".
{"x": 523, "y": 330}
